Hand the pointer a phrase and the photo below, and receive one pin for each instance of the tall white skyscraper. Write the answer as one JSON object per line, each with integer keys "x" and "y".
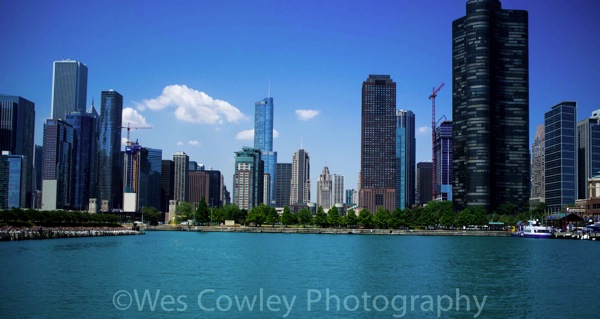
{"x": 69, "y": 88}
{"x": 300, "y": 184}
{"x": 180, "y": 187}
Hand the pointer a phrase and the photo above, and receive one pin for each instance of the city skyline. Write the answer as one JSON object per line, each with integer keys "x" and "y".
{"x": 225, "y": 68}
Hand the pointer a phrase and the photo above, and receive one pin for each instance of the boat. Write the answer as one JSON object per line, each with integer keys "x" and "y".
{"x": 534, "y": 229}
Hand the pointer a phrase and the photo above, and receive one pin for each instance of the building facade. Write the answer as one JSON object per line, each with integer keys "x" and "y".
{"x": 17, "y": 124}
{"x": 538, "y": 164}
{"x": 300, "y": 182}
{"x": 248, "y": 178}
{"x": 490, "y": 107}
{"x": 405, "y": 159}
{"x": 325, "y": 189}
{"x": 588, "y": 151}
{"x": 378, "y": 144}
{"x": 443, "y": 169}
{"x": 110, "y": 163}
{"x": 180, "y": 177}
{"x": 199, "y": 186}
{"x": 283, "y": 184}
{"x": 561, "y": 156}
{"x": 69, "y": 88}
{"x": 263, "y": 140}
{"x": 167, "y": 180}
{"x": 338, "y": 189}
{"x": 85, "y": 156}
{"x": 58, "y": 165}
{"x": 424, "y": 176}
{"x": 13, "y": 180}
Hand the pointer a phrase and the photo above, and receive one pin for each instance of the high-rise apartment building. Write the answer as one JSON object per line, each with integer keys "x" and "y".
{"x": 405, "y": 159}
{"x": 248, "y": 178}
{"x": 85, "y": 156}
{"x": 561, "y": 156}
{"x": 538, "y": 164}
{"x": 180, "y": 181}
{"x": 588, "y": 152}
{"x": 325, "y": 189}
{"x": 69, "y": 88}
{"x": 282, "y": 184}
{"x": 424, "y": 176}
{"x": 300, "y": 183}
{"x": 378, "y": 144}
{"x": 17, "y": 124}
{"x": 338, "y": 189}
{"x": 198, "y": 186}
{"x": 490, "y": 107}
{"x": 167, "y": 180}
{"x": 263, "y": 140}
{"x": 58, "y": 165}
{"x": 110, "y": 163}
{"x": 443, "y": 169}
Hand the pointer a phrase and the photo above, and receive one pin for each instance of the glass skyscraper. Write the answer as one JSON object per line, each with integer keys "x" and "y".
{"x": 378, "y": 144}
{"x": 85, "y": 137}
{"x": 282, "y": 184}
{"x": 588, "y": 152}
{"x": 538, "y": 164}
{"x": 248, "y": 178}
{"x": 405, "y": 159}
{"x": 561, "y": 155}
{"x": 490, "y": 107}
{"x": 424, "y": 176}
{"x": 13, "y": 181}
{"x": 263, "y": 141}
{"x": 69, "y": 88}
{"x": 443, "y": 169}
{"x": 17, "y": 124}
{"x": 58, "y": 165}
{"x": 110, "y": 179}
{"x": 180, "y": 182}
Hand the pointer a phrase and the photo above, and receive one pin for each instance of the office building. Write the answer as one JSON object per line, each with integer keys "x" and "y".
{"x": 283, "y": 184}
{"x": 588, "y": 151}
{"x": 180, "y": 181}
{"x": 248, "y": 178}
{"x": 13, "y": 180}
{"x": 215, "y": 188}
{"x": 424, "y": 176}
{"x": 338, "y": 189}
{"x": 300, "y": 183}
{"x": 69, "y": 88}
{"x": 263, "y": 141}
{"x": 58, "y": 165}
{"x": 167, "y": 180}
{"x": 85, "y": 156}
{"x": 538, "y": 164}
{"x": 405, "y": 159}
{"x": 443, "y": 169}
{"x": 490, "y": 107}
{"x": 378, "y": 144}
{"x": 110, "y": 159}
{"x": 198, "y": 186}
{"x": 325, "y": 189}
{"x": 561, "y": 156}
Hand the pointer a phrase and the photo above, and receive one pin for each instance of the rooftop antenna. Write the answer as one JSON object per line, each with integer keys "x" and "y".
{"x": 301, "y": 143}
{"x": 269, "y": 89}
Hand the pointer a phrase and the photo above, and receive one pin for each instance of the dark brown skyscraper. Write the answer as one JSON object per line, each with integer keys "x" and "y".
{"x": 490, "y": 107}
{"x": 378, "y": 144}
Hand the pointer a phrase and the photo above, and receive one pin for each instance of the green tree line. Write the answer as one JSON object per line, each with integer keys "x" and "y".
{"x": 58, "y": 218}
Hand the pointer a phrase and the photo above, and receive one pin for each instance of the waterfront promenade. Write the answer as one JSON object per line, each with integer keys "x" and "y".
{"x": 312, "y": 230}
{"x": 8, "y": 233}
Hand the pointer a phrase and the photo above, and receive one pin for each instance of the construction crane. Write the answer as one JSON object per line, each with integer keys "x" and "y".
{"x": 433, "y": 123}
{"x": 129, "y": 127}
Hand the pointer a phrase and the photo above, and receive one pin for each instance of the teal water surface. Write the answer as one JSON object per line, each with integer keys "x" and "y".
{"x": 248, "y": 275}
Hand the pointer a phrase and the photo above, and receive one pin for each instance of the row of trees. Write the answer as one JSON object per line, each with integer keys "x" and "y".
{"x": 58, "y": 218}
{"x": 434, "y": 214}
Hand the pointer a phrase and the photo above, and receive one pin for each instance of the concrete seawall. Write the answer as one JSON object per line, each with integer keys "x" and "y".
{"x": 10, "y": 234}
{"x": 299, "y": 230}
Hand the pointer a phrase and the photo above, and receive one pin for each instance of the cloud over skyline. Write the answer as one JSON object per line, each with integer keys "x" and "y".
{"x": 248, "y": 135}
{"x": 305, "y": 115}
{"x": 193, "y": 106}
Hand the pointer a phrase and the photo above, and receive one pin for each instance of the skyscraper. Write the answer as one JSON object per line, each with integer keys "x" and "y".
{"x": 263, "y": 140}
{"x": 180, "y": 181}
{"x": 325, "y": 189}
{"x": 13, "y": 180}
{"x": 424, "y": 176}
{"x": 58, "y": 165}
{"x": 199, "y": 184}
{"x": 282, "y": 184}
{"x": 167, "y": 181}
{"x": 405, "y": 159}
{"x": 69, "y": 88}
{"x": 378, "y": 144}
{"x": 85, "y": 137}
{"x": 490, "y": 107}
{"x": 338, "y": 189}
{"x": 538, "y": 163}
{"x": 110, "y": 185}
{"x": 561, "y": 155}
{"x": 443, "y": 169}
{"x": 17, "y": 124}
{"x": 248, "y": 178}
{"x": 588, "y": 152}
{"x": 300, "y": 183}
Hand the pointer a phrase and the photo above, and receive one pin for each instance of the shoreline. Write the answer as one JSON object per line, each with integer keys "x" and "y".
{"x": 340, "y": 231}
{"x": 40, "y": 233}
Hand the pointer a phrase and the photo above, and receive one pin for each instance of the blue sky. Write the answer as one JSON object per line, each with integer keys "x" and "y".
{"x": 194, "y": 69}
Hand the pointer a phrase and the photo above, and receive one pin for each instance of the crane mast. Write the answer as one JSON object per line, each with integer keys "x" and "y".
{"x": 433, "y": 159}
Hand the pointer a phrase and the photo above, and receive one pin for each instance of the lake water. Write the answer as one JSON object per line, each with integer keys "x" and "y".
{"x": 249, "y": 275}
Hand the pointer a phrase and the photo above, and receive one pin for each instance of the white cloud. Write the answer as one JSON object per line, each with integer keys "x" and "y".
{"x": 305, "y": 115}
{"x": 423, "y": 129}
{"x": 194, "y": 143}
{"x": 133, "y": 117}
{"x": 249, "y": 135}
{"x": 179, "y": 143}
{"x": 193, "y": 106}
